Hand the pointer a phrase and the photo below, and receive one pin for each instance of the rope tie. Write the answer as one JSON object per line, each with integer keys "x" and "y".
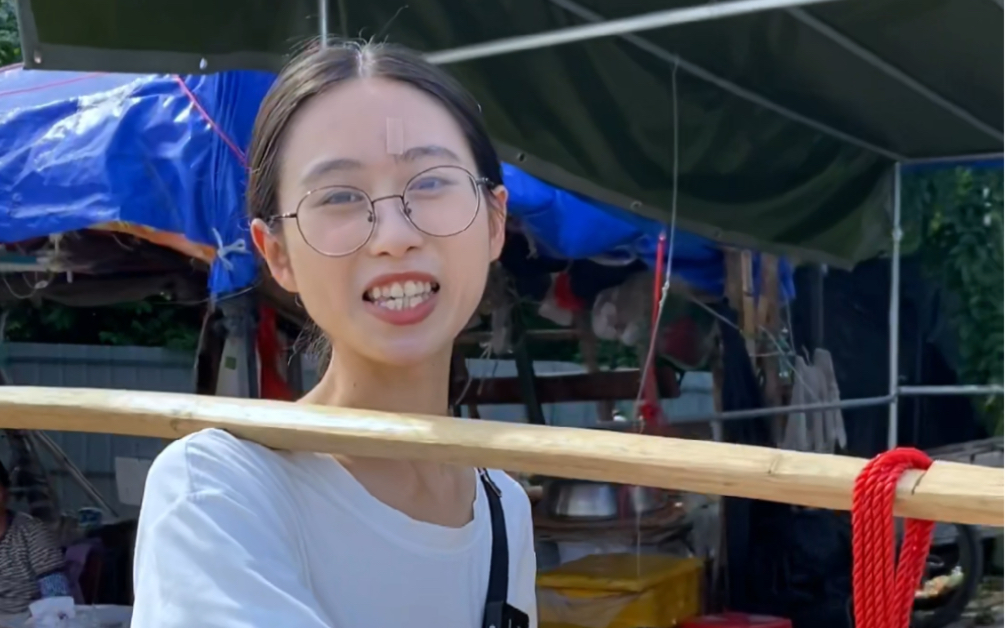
{"x": 883, "y": 587}
{"x": 224, "y": 251}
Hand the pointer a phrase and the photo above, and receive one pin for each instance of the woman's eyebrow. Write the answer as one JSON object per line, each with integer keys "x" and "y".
{"x": 430, "y": 150}
{"x": 326, "y": 166}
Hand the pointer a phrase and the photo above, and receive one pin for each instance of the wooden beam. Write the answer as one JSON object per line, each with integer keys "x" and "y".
{"x": 947, "y": 492}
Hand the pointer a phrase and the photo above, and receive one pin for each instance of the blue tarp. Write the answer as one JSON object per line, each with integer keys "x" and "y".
{"x": 570, "y": 226}
{"x": 77, "y": 150}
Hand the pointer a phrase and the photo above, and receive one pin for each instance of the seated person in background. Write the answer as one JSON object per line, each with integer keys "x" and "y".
{"x": 31, "y": 563}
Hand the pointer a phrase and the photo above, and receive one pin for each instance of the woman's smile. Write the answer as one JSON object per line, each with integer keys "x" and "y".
{"x": 402, "y": 298}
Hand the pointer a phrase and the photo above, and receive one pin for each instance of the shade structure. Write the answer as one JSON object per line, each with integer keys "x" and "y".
{"x": 784, "y": 119}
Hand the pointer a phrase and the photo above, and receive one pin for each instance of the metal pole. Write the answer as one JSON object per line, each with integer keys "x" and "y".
{"x": 958, "y": 390}
{"x": 43, "y": 440}
{"x": 323, "y": 22}
{"x": 894, "y": 347}
{"x": 635, "y": 24}
{"x": 952, "y": 159}
{"x": 676, "y": 60}
{"x": 755, "y": 413}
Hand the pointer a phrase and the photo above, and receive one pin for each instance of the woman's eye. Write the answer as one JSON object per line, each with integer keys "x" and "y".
{"x": 428, "y": 184}
{"x": 342, "y": 197}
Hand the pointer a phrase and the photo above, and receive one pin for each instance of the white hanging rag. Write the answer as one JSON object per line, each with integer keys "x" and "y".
{"x": 837, "y": 438}
{"x": 796, "y": 434}
{"x": 821, "y": 431}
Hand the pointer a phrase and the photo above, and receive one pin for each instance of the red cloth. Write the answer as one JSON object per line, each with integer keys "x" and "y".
{"x": 272, "y": 384}
{"x": 565, "y": 298}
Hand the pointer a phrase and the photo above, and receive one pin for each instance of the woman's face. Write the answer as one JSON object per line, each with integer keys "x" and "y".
{"x": 404, "y": 295}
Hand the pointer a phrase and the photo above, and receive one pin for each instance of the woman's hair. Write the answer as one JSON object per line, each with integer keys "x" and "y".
{"x": 318, "y": 69}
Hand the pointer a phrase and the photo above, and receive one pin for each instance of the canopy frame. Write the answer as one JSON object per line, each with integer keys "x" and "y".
{"x": 628, "y": 27}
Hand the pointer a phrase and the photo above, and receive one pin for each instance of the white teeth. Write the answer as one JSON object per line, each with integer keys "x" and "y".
{"x": 401, "y": 296}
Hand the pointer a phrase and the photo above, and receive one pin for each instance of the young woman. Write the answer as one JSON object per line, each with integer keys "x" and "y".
{"x": 376, "y": 197}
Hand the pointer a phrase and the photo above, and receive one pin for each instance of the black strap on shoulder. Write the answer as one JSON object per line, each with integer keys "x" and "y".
{"x": 498, "y": 590}
{"x": 498, "y": 612}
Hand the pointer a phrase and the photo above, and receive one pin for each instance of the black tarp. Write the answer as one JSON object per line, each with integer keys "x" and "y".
{"x": 889, "y": 79}
{"x": 856, "y": 330}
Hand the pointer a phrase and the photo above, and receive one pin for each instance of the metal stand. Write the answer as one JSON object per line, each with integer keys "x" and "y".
{"x": 597, "y": 26}
{"x": 896, "y": 390}
{"x": 323, "y": 22}
{"x": 609, "y": 28}
{"x": 893, "y": 424}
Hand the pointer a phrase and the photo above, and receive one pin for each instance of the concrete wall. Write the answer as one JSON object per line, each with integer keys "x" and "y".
{"x": 129, "y": 368}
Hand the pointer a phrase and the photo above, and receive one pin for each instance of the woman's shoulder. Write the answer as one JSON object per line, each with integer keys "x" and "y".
{"x": 516, "y": 504}
{"x": 25, "y": 524}
{"x": 212, "y": 460}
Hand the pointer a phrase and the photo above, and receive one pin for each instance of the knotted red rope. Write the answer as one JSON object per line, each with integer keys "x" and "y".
{"x": 883, "y": 587}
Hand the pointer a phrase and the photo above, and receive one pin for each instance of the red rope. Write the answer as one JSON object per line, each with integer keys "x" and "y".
{"x": 884, "y": 588}
{"x": 234, "y": 148}
{"x": 650, "y": 411}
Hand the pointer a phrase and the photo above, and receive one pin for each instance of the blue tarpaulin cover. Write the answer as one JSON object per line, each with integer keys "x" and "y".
{"x": 80, "y": 150}
{"x": 570, "y": 226}
{"x": 166, "y": 152}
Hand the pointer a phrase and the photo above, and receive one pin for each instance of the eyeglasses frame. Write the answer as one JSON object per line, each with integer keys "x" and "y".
{"x": 477, "y": 183}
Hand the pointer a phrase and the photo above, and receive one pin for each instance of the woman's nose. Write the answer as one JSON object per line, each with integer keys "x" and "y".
{"x": 393, "y": 235}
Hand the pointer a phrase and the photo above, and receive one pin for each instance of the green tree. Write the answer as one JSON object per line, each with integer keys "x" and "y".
{"x": 154, "y": 322}
{"x": 955, "y": 219}
{"x": 10, "y": 41}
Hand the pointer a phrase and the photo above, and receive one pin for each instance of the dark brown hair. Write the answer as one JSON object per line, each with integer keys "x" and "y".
{"x": 318, "y": 69}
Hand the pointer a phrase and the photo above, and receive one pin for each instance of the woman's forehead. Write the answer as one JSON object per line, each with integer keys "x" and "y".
{"x": 370, "y": 123}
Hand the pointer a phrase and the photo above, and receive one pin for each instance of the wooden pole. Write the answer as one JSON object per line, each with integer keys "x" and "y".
{"x": 947, "y": 492}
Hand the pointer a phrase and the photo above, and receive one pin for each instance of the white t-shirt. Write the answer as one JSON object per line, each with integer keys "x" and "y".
{"x": 234, "y": 535}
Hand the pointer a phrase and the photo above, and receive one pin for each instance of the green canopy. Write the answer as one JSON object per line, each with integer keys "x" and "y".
{"x": 788, "y": 118}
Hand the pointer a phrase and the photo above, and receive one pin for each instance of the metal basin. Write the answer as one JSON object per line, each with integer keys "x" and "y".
{"x": 574, "y": 499}
{"x": 643, "y": 500}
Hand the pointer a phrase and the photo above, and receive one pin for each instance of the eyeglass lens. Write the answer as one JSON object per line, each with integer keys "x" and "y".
{"x": 338, "y": 220}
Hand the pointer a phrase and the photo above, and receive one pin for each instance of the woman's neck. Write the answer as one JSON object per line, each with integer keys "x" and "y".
{"x": 427, "y": 491}
{"x": 354, "y": 382}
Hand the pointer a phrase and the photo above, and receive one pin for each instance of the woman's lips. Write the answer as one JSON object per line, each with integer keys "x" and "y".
{"x": 412, "y": 312}
{"x": 402, "y": 298}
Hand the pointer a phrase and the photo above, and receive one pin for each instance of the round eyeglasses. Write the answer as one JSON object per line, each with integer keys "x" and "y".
{"x": 339, "y": 220}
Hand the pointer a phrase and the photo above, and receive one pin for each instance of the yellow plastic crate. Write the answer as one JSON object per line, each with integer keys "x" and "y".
{"x": 620, "y": 591}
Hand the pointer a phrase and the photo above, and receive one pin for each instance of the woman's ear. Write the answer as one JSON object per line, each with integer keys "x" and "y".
{"x": 273, "y": 250}
{"x": 498, "y": 198}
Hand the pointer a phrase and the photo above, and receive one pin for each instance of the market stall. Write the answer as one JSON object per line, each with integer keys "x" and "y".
{"x": 819, "y": 103}
{"x": 802, "y": 116}
{"x": 566, "y": 252}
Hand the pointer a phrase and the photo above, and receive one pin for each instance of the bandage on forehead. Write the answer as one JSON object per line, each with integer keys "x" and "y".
{"x": 395, "y": 136}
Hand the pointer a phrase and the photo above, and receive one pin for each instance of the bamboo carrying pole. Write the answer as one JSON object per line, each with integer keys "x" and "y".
{"x": 948, "y": 491}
